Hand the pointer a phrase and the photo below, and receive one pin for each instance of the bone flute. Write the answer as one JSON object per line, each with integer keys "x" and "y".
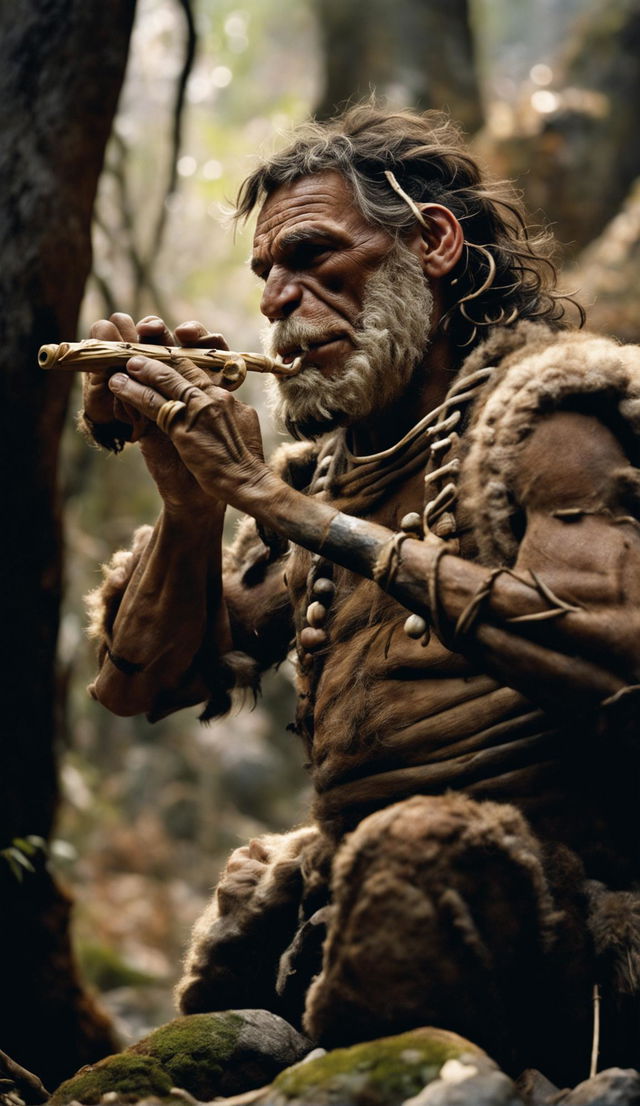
{"x": 94, "y": 355}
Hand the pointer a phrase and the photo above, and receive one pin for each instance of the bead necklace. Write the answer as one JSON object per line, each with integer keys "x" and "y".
{"x": 359, "y": 487}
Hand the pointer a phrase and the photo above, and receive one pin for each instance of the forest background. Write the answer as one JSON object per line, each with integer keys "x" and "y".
{"x": 129, "y": 820}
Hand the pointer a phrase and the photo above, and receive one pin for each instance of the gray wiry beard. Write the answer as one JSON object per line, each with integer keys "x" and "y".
{"x": 390, "y": 343}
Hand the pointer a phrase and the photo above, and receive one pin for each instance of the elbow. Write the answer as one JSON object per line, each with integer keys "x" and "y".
{"x": 125, "y": 699}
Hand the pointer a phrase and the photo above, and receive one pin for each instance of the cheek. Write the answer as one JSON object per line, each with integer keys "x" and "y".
{"x": 340, "y": 290}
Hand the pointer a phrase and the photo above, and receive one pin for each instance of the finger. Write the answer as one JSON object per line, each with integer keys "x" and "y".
{"x": 195, "y": 334}
{"x": 148, "y": 401}
{"x": 106, "y": 331}
{"x": 125, "y": 325}
{"x": 182, "y": 381}
{"x": 154, "y": 330}
{"x": 142, "y": 398}
{"x": 172, "y": 380}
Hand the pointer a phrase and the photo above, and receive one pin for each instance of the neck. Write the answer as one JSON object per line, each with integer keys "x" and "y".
{"x": 430, "y": 384}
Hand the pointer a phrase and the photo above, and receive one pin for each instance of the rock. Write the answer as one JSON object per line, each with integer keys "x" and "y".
{"x": 613, "y": 1087}
{"x": 392, "y": 1071}
{"x": 487, "y": 1088}
{"x": 536, "y": 1089}
{"x": 206, "y": 1055}
{"x": 131, "y": 1078}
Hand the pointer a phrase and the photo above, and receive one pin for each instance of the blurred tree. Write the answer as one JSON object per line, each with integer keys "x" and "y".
{"x": 607, "y": 273}
{"x": 412, "y": 52}
{"x": 61, "y": 68}
{"x": 572, "y": 141}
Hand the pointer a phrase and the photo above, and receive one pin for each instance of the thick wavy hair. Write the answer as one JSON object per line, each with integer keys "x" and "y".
{"x": 506, "y": 271}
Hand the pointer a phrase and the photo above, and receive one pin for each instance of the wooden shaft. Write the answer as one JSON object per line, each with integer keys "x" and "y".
{"x": 94, "y": 355}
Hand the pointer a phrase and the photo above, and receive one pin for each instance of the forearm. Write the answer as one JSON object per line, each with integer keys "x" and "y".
{"x": 170, "y": 609}
{"x": 556, "y": 653}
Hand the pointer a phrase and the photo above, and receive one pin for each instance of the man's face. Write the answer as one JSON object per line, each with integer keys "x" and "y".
{"x": 344, "y": 296}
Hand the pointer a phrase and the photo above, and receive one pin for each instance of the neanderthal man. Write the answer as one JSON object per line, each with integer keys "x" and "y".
{"x": 453, "y": 547}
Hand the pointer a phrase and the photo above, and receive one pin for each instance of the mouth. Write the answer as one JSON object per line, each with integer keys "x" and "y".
{"x": 298, "y": 353}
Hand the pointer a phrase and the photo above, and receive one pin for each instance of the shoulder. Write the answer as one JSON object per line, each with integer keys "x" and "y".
{"x": 560, "y": 412}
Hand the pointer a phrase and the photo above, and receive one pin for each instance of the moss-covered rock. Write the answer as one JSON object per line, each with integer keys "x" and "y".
{"x": 195, "y": 1050}
{"x": 207, "y": 1055}
{"x": 385, "y": 1072}
{"x": 131, "y": 1077}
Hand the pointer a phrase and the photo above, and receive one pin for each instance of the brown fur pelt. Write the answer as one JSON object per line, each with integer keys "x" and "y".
{"x": 236, "y": 945}
{"x": 538, "y": 372}
{"x": 254, "y": 547}
{"x": 443, "y": 916}
{"x": 614, "y": 922}
{"x": 104, "y": 602}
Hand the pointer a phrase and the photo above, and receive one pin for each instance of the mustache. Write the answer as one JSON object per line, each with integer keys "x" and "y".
{"x": 296, "y": 336}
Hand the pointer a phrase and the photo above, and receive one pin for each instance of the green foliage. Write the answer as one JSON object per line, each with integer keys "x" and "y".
{"x": 20, "y": 853}
{"x": 105, "y": 969}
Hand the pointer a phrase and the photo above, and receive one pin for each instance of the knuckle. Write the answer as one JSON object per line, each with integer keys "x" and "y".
{"x": 149, "y": 397}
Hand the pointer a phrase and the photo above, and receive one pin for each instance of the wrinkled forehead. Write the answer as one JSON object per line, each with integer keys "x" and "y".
{"x": 321, "y": 198}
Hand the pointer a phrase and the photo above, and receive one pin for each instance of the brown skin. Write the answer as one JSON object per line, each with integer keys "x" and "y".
{"x": 212, "y": 456}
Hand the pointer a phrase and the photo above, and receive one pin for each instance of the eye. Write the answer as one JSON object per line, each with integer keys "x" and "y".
{"x": 309, "y": 254}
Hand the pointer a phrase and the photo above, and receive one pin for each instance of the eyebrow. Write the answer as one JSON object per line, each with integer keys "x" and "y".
{"x": 299, "y": 236}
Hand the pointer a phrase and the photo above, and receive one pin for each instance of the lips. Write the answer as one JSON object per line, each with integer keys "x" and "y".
{"x": 290, "y": 354}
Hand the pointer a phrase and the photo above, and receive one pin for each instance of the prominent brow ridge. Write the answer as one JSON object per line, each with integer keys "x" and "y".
{"x": 299, "y": 237}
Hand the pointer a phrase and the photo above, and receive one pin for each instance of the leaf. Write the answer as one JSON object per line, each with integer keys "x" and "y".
{"x": 19, "y": 858}
{"x": 26, "y": 847}
{"x": 15, "y": 868}
{"x": 37, "y": 841}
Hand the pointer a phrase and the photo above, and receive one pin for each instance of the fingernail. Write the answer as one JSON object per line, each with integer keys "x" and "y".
{"x": 117, "y": 382}
{"x": 136, "y": 363}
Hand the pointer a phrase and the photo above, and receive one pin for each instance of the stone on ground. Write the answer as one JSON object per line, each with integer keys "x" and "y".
{"x": 395, "y": 1071}
{"x": 208, "y": 1055}
{"x": 613, "y": 1087}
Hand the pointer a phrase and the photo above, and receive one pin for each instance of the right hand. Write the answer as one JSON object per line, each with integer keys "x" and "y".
{"x": 179, "y": 490}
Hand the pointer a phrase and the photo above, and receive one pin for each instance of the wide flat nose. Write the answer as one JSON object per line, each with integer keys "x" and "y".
{"x": 281, "y": 296}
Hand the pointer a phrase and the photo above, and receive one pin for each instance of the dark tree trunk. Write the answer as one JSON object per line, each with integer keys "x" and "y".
{"x": 415, "y": 51}
{"x": 61, "y": 69}
{"x": 579, "y": 164}
{"x": 607, "y": 274}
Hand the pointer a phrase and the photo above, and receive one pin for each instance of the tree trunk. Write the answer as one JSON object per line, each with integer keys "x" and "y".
{"x": 607, "y": 274}
{"x": 411, "y": 51}
{"x": 61, "y": 68}
{"x": 576, "y": 157}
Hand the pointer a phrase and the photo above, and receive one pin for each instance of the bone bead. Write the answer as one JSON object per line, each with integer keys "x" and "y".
{"x": 312, "y": 638}
{"x": 316, "y": 572}
{"x": 411, "y": 523}
{"x": 415, "y": 626}
{"x": 316, "y": 614}
{"x": 324, "y": 589}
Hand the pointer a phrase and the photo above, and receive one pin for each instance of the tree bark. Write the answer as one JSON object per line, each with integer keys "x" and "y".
{"x": 412, "y": 51}
{"x": 61, "y": 68}
{"x": 607, "y": 274}
{"x": 577, "y": 161}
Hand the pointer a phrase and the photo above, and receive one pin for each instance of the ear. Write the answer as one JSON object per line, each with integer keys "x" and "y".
{"x": 439, "y": 242}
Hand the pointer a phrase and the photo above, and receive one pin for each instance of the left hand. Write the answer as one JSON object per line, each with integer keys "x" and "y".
{"x": 217, "y": 436}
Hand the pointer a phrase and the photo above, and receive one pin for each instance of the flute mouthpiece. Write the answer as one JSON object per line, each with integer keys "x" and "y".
{"x": 47, "y": 356}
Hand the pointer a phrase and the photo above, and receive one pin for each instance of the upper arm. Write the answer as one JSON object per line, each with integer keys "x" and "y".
{"x": 579, "y": 496}
{"x": 257, "y": 597}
